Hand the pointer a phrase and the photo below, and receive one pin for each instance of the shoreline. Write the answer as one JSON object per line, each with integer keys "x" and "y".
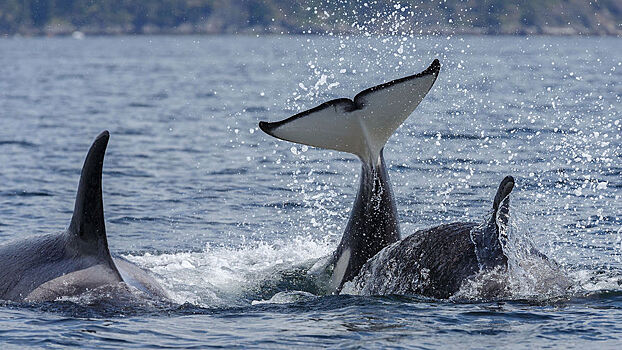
{"x": 79, "y": 34}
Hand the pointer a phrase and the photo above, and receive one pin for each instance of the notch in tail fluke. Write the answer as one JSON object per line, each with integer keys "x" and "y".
{"x": 360, "y": 126}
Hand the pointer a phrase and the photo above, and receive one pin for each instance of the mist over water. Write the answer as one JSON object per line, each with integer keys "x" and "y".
{"x": 230, "y": 220}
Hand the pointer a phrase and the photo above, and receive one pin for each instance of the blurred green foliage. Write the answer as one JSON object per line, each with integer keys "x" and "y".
{"x": 294, "y": 16}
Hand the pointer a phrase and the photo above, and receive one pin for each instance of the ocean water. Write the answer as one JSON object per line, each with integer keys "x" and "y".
{"x": 231, "y": 221}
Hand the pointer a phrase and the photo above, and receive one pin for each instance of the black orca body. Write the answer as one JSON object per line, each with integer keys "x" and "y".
{"x": 44, "y": 268}
{"x": 361, "y": 126}
{"x": 436, "y": 262}
{"x": 372, "y": 225}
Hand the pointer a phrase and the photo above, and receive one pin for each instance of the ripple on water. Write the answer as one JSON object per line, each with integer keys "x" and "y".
{"x": 225, "y": 219}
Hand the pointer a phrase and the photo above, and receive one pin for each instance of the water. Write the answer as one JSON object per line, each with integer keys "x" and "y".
{"x": 229, "y": 219}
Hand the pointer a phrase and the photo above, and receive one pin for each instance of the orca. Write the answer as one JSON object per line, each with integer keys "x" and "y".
{"x": 361, "y": 126}
{"x": 435, "y": 262}
{"x": 44, "y": 268}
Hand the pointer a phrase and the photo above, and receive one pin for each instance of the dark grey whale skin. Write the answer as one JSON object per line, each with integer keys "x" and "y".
{"x": 432, "y": 262}
{"x": 46, "y": 267}
{"x": 435, "y": 262}
{"x": 373, "y": 221}
{"x": 445, "y": 255}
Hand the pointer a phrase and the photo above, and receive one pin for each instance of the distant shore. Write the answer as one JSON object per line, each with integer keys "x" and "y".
{"x": 381, "y": 17}
{"x": 76, "y": 32}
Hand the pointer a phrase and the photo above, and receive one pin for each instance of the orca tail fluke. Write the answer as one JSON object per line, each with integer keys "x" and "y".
{"x": 360, "y": 126}
{"x": 88, "y": 222}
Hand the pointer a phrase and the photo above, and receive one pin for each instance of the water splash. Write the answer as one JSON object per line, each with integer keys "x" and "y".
{"x": 287, "y": 298}
{"x": 224, "y": 276}
{"x": 529, "y": 274}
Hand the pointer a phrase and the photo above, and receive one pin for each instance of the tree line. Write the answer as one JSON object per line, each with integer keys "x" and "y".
{"x": 38, "y": 17}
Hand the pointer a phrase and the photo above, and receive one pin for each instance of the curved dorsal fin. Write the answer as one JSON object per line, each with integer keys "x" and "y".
{"x": 487, "y": 239}
{"x": 87, "y": 222}
{"x": 501, "y": 204}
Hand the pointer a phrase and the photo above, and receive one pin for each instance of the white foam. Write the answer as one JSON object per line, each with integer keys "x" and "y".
{"x": 530, "y": 274}
{"x": 223, "y": 276}
{"x": 286, "y": 298}
{"x": 594, "y": 280}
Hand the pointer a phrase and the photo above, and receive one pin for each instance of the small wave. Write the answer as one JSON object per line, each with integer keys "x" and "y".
{"x": 287, "y": 298}
{"x": 24, "y": 193}
{"x": 229, "y": 171}
{"x": 509, "y": 315}
{"x": 129, "y": 131}
{"x": 140, "y": 105}
{"x": 93, "y": 111}
{"x": 255, "y": 109}
{"x": 130, "y": 173}
{"x": 16, "y": 97}
{"x": 159, "y": 96}
{"x": 451, "y": 136}
{"x": 284, "y": 205}
{"x": 19, "y": 143}
{"x": 70, "y": 76}
{"x": 399, "y": 167}
{"x": 534, "y": 131}
{"x": 114, "y": 300}
{"x": 207, "y": 94}
{"x": 131, "y": 219}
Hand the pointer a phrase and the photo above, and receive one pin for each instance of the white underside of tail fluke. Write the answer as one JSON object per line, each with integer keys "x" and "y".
{"x": 361, "y": 126}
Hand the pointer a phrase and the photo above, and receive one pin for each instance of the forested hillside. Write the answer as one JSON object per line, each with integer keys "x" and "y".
{"x": 50, "y": 17}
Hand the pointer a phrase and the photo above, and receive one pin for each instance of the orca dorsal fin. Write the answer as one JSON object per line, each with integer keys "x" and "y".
{"x": 488, "y": 237}
{"x": 501, "y": 204}
{"x": 87, "y": 222}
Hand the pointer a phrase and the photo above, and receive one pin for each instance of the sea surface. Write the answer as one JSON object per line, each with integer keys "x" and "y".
{"x": 231, "y": 220}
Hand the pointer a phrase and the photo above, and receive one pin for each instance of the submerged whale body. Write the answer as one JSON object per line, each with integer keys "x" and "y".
{"x": 44, "y": 268}
{"x": 361, "y": 126}
{"x": 435, "y": 262}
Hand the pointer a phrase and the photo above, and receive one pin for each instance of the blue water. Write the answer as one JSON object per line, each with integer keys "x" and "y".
{"x": 230, "y": 220}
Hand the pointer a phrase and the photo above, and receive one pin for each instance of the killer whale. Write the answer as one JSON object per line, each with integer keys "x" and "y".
{"x": 435, "y": 262}
{"x": 44, "y": 268}
{"x": 361, "y": 126}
